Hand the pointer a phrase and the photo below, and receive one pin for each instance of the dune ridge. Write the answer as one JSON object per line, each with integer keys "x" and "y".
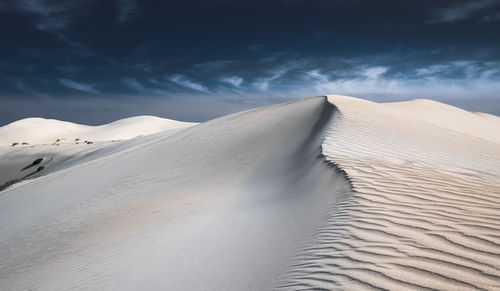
{"x": 323, "y": 193}
{"x": 221, "y": 205}
{"x": 424, "y": 208}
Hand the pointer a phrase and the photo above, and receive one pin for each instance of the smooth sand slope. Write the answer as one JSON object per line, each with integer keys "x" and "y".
{"x": 322, "y": 193}
{"x": 222, "y": 205}
{"x": 63, "y": 144}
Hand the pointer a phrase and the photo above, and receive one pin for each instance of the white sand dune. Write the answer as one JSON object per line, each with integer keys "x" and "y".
{"x": 16, "y": 161}
{"x": 37, "y": 130}
{"x": 322, "y": 193}
{"x": 475, "y": 124}
{"x": 424, "y": 212}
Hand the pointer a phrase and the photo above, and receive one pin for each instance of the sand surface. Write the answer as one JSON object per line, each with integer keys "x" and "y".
{"x": 63, "y": 144}
{"x": 47, "y": 131}
{"x": 424, "y": 212}
{"x": 321, "y": 193}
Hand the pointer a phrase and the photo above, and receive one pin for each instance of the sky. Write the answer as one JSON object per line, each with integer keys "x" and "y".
{"x": 93, "y": 62}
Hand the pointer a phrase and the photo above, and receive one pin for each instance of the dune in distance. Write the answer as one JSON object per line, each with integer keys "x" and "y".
{"x": 322, "y": 193}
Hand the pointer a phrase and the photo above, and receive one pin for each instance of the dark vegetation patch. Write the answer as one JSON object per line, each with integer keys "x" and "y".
{"x": 9, "y": 183}
{"x": 34, "y": 163}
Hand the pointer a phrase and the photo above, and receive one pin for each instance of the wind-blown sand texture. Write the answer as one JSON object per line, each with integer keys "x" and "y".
{"x": 424, "y": 212}
{"x": 321, "y": 193}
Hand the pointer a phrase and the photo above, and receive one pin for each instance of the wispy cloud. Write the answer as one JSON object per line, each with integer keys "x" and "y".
{"x": 133, "y": 83}
{"x": 377, "y": 76}
{"x": 87, "y": 88}
{"x": 264, "y": 82}
{"x": 433, "y": 81}
{"x": 432, "y": 70}
{"x": 368, "y": 80}
{"x": 125, "y": 9}
{"x": 182, "y": 81}
{"x": 316, "y": 75}
{"x": 373, "y": 73}
{"x": 462, "y": 10}
{"x": 145, "y": 88}
{"x": 52, "y": 16}
{"x": 79, "y": 48}
{"x": 465, "y": 69}
{"x": 233, "y": 80}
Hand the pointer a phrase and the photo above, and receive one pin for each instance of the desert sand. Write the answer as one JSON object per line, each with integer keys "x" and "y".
{"x": 37, "y": 130}
{"x": 327, "y": 192}
{"x": 61, "y": 144}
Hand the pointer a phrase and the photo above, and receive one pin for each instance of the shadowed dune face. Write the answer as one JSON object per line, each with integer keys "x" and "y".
{"x": 322, "y": 193}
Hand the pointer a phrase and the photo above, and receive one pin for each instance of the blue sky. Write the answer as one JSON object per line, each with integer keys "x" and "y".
{"x": 97, "y": 61}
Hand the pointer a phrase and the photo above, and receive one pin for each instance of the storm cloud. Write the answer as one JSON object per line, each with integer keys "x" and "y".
{"x": 108, "y": 56}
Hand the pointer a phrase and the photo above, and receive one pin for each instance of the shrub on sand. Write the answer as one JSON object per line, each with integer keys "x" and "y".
{"x": 40, "y": 168}
{"x": 37, "y": 161}
{"x": 9, "y": 183}
{"x": 15, "y": 143}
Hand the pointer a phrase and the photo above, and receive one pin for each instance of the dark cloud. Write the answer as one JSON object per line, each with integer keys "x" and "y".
{"x": 463, "y": 10}
{"x": 266, "y": 50}
{"x": 126, "y": 9}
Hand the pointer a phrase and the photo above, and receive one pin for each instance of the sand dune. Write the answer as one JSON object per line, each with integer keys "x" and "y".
{"x": 425, "y": 207}
{"x": 17, "y": 161}
{"x": 322, "y": 193}
{"x": 40, "y": 130}
{"x": 475, "y": 124}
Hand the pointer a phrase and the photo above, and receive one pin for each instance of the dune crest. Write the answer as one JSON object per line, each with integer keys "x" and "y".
{"x": 425, "y": 205}
{"x": 327, "y": 192}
